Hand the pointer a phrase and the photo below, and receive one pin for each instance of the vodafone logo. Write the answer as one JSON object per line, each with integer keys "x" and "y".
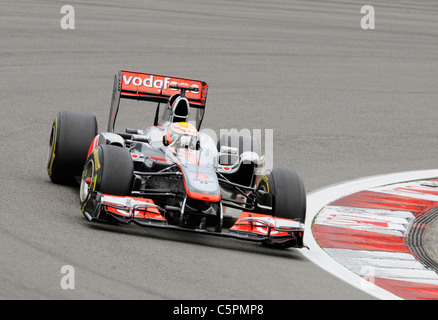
{"x": 147, "y": 82}
{"x": 156, "y": 82}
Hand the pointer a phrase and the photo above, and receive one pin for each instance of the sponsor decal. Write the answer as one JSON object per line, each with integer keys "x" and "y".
{"x": 265, "y": 179}
{"x": 156, "y": 84}
{"x": 96, "y": 160}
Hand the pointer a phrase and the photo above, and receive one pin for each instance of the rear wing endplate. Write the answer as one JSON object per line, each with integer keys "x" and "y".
{"x": 155, "y": 88}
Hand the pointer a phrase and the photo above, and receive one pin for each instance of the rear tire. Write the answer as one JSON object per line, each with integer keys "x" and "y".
{"x": 70, "y": 138}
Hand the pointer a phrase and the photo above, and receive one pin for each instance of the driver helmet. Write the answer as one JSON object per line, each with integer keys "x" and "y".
{"x": 181, "y": 134}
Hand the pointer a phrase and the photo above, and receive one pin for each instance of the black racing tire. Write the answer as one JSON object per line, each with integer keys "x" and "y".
{"x": 288, "y": 193}
{"x": 70, "y": 139}
{"x": 109, "y": 170}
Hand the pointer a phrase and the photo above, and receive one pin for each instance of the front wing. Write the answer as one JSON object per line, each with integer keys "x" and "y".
{"x": 249, "y": 226}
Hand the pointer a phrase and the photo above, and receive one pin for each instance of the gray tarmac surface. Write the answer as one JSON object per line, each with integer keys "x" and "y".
{"x": 343, "y": 102}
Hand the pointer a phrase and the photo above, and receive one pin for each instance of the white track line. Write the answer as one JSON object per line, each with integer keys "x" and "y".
{"x": 318, "y": 199}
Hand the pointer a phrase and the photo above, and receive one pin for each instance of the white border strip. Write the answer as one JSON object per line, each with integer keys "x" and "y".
{"x": 318, "y": 199}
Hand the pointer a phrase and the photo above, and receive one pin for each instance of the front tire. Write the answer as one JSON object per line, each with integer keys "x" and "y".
{"x": 109, "y": 169}
{"x": 288, "y": 193}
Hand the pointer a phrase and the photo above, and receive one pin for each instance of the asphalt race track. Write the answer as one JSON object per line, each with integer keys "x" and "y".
{"x": 343, "y": 103}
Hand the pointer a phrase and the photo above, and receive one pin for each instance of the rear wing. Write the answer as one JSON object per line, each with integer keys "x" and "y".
{"x": 155, "y": 88}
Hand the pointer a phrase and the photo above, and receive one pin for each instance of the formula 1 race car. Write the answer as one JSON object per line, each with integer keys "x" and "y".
{"x": 171, "y": 175}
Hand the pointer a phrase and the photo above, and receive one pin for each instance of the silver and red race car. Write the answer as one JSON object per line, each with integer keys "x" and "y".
{"x": 171, "y": 175}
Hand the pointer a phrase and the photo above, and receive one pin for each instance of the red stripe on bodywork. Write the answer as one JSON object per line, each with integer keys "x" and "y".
{"x": 204, "y": 196}
{"x": 93, "y": 145}
{"x": 193, "y": 194}
{"x": 260, "y": 223}
{"x": 152, "y": 212}
{"x": 343, "y": 238}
